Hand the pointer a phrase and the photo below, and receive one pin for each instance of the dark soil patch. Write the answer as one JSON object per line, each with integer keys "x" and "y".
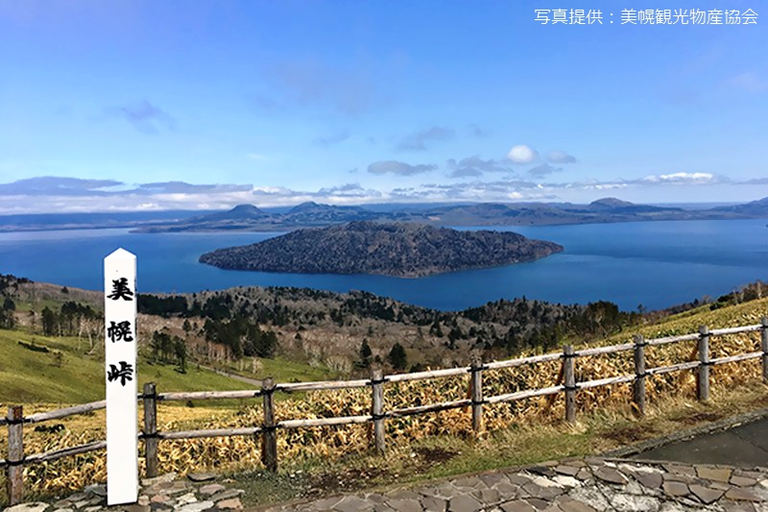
{"x": 700, "y": 417}
{"x": 630, "y": 434}
{"x": 345, "y": 481}
{"x": 435, "y": 455}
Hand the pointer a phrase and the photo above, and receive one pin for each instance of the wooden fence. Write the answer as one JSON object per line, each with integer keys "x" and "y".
{"x": 267, "y": 429}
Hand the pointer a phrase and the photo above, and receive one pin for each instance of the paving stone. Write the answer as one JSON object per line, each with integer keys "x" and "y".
{"x": 404, "y": 494}
{"x": 33, "y": 506}
{"x": 227, "y": 494}
{"x": 177, "y": 488}
{"x": 649, "y": 480}
{"x": 567, "y": 470}
{"x": 568, "y": 504}
{"x": 165, "y": 478}
{"x": 196, "y": 507}
{"x": 432, "y": 504}
{"x": 470, "y": 482}
{"x": 488, "y": 496}
{"x": 464, "y": 503}
{"x": 566, "y": 481}
{"x": 491, "y": 479}
{"x": 705, "y": 494}
{"x": 376, "y": 498}
{"x": 535, "y": 490}
{"x": 541, "y": 470}
{"x": 675, "y": 489}
{"x": 739, "y": 494}
{"x": 517, "y": 506}
{"x": 584, "y": 474}
{"x": 201, "y": 477}
{"x": 679, "y": 477}
{"x": 610, "y": 475}
{"x": 210, "y": 489}
{"x": 187, "y": 498}
{"x": 743, "y": 481}
{"x": 353, "y": 504}
{"x": 97, "y": 489}
{"x": 230, "y": 504}
{"x": 680, "y": 469}
{"x": 136, "y": 508}
{"x": 519, "y": 478}
{"x": 406, "y": 505}
{"x": 714, "y": 474}
{"x": 538, "y": 504}
{"x": 159, "y": 498}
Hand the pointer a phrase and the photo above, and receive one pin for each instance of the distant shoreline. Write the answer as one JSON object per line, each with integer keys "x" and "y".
{"x": 248, "y": 218}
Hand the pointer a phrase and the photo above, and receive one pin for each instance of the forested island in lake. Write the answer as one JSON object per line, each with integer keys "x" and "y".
{"x": 393, "y": 249}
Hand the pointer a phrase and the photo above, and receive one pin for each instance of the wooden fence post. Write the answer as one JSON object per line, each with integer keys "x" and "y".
{"x": 638, "y": 388}
{"x": 476, "y": 391}
{"x": 150, "y": 428}
{"x": 14, "y": 472}
{"x": 702, "y": 381}
{"x": 269, "y": 436}
{"x": 764, "y": 346}
{"x": 377, "y": 408}
{"x": 569, "y": 377}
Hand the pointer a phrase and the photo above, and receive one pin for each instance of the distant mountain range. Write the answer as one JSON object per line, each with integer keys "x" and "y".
{"x": 310, "y": 214}
{"x": 370, "y": 247}
{"x": 247, "y": 217}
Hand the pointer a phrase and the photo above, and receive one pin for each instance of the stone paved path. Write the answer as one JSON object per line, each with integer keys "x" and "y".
{"x": 165, "y": 493}
{"x": 577, "y": 485}
{"x": 586, "y": 485}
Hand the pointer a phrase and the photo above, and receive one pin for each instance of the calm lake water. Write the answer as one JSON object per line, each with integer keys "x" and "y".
{"x": 656, "y": 264}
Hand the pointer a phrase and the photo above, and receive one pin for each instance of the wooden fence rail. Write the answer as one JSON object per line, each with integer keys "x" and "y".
{"x": 267, "y": 429}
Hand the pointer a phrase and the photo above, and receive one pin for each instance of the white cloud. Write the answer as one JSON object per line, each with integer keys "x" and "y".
{"x": 543, "y": 170}
{"x": 399, "y": 168}
{"x": 681, "y": 177}
{"x": 475, "y": 166}
{"x": 750, "y": 82}
{"x": 418, "y": 141}
{"x": 522, "y": 154}
{"x": 560, "y": 157}
{"x": 70, "y": 195}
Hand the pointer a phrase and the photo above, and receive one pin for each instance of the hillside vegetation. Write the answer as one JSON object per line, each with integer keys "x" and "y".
{"x": 599, "y": 408}
{"x": 393, "y": 249}
{"x": 43, "y": 369}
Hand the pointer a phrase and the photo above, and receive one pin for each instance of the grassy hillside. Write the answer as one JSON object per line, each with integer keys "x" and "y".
{"x": 30, "y": 376}
{"x": 689, "y": 321}
{"x": 418, "y": 447}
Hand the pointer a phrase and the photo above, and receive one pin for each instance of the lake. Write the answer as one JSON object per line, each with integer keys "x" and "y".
{"x": 656, "y": 264}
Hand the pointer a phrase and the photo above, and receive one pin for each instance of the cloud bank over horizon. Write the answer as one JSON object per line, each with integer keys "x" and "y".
{"x": 50, "y": 194}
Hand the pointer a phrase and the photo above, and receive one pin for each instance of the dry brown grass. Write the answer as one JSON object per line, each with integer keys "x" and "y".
{"x": 328, "y": 444}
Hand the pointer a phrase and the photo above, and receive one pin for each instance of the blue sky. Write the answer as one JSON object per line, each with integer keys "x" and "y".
{"x": 218, "y": 103}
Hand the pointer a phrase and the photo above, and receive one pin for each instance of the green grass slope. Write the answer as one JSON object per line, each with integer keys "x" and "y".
{"x": 30, "y": 376}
